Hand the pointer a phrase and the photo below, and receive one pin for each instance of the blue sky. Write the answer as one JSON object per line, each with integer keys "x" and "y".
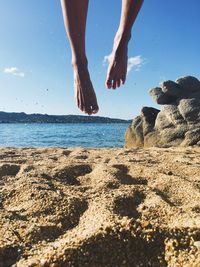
{"x": 35, "y": 58}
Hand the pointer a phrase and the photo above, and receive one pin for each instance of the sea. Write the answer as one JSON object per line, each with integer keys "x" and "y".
{"x": 91, "y": 135}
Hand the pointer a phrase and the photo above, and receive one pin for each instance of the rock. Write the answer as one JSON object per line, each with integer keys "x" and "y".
{"x": 197, "y": 244}
{"x": 178, "y": 121}
{"x": 195, "y": 95}
{"x": 189, "y": 83}
{"x": 160, "y": 97}
{"x": 171, "y": 88}
{"x": 172, "y": 114}
{"x": 190, "y": 109}
{"x": 134, "y": 134}
{"x": 192, "y": 137}
{"x": 141, "y": 126}
{"x": 148, "y": 118}
{"x": 162, "y": 121}
{"x": 171, "y": 137}
{"x": 151, "y": 138}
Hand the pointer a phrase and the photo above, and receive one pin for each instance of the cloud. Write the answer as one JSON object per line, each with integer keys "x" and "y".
{"x": 136, "y": 63}
{"x": 14, "y": 71}
{"x": 107, "y": 59}
{"x": 133, "y": 62}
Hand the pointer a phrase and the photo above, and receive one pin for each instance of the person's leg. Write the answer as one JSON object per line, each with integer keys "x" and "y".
{"x": 75, "y": 15}
{"x": 117, "y": 69}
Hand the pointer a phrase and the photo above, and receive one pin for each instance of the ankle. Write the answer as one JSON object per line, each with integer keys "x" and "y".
{"x": 122, "y": 37}
{"x": 120, "y": 46}
{"x": 79, "y": 62}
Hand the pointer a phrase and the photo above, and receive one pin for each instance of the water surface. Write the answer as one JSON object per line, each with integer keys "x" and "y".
{"x": 62, "y": 135}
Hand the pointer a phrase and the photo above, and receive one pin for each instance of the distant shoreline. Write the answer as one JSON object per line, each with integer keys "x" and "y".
{"x": 21, "y": 117}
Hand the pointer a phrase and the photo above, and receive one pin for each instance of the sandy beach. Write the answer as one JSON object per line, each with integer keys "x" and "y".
{"x": 100, "y": 207}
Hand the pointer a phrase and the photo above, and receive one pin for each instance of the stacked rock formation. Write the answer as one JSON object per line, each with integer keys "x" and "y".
{"x": 178, "y": 121}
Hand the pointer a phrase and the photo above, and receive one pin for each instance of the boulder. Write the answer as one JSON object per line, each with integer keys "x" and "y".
{"x": 170, "y": 88}
{"x": 189, "y": 84}
{"x": 177, "y": 123}
{"x": 160, "y": 97}
{"x": 140, "y": 127}
{"x": 148, "y": 119}
{"x": 190, "y": 110}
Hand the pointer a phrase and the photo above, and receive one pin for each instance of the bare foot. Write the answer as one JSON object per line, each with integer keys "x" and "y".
{"x": 84, "y": 92}
{"x": 117, "y": 69}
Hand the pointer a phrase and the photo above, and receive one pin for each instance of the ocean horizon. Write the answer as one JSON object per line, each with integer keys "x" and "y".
{"x": 94, "y": 135}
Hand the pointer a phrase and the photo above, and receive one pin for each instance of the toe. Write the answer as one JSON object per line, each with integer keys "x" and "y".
{"x": 118, "y": 83}
{"x": 95, "y": 109}
{"x": 88, "y": 110}
{"x": 114, "y": 84}
{"x": 81, "y": 108}
{"x": 108, "y": 83}
{"x": 79, "y": 101}
{"x": 79, "y": 104}
{"x": 123, "y": 79}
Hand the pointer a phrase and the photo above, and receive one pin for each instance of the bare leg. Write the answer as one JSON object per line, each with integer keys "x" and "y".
{"x": 75, "y": 15}
{"x": 117, "y": 69}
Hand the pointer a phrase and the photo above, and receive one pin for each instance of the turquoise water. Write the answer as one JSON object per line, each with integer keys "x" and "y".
{"x": 62, "y": 135}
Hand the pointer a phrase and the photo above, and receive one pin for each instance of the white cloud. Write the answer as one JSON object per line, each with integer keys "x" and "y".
{"x": 133, "y": 62}
{"x": 107, "y": 59}
{"x": 14, "y": 71}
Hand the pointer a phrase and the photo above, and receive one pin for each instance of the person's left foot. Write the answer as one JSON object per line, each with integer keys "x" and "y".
{"x": 84, "y": 92}
{"x": 117, "y": 69}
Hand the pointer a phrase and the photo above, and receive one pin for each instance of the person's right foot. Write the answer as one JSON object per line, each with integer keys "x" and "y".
{"x": 117, "y": 69}
{"x": 84, "y": 92}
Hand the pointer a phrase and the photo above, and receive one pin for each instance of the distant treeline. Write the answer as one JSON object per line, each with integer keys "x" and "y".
{"x": 12, "y": 117}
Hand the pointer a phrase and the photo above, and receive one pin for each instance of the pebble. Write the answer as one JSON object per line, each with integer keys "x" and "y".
{"x": 197, "y": 244}
{"x": 43, "y": 262}
{"x": 145, "y": 223}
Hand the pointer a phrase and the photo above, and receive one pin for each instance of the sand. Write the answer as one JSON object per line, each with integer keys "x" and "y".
{"x": 100, "y": 207}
